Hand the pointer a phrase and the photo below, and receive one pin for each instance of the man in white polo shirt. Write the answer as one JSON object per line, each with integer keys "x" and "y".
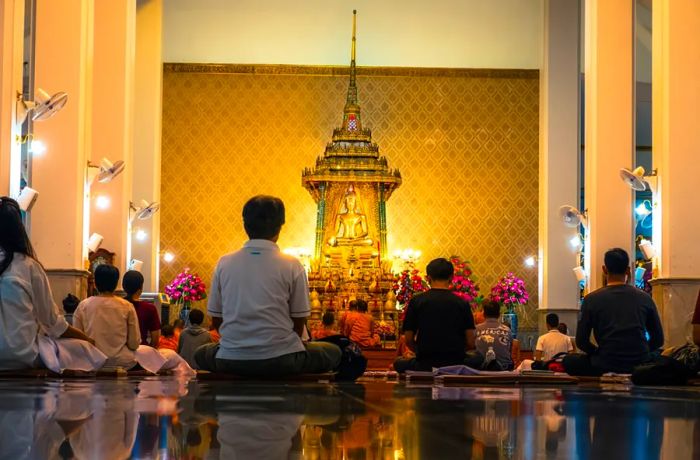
{"x": 553, "y": 342}
{"x": 259, "y": 301}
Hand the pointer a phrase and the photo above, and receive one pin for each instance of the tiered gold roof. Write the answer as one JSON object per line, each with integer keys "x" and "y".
{"x": 351, "y": 156}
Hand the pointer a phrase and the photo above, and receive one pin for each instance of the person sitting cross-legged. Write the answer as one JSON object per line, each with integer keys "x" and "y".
{"x": 439, "y": 326}
{"x": 110, "y": 320}
{"x": 553, "y": 342}
{"x": 27, "y": 307}
{"x": 193, "y": 337}
{"x": 259, "y": 302}
{"x": 494, "y": 342}
{"x": 327, "y": 327}
{"x": 357, "y": 324}
{"x": 620, "y": 317}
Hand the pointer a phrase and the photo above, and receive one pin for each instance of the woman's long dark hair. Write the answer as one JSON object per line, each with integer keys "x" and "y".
{"x": 13, "y": 235}
{"x": 132, "y": 283}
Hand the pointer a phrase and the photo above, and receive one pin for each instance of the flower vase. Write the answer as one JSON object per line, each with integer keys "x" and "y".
{"x": 511, "y": 317}
{"x": 184, "y": 314}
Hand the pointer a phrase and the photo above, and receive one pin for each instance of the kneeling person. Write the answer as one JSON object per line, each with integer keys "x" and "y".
{"x": 259, "y": 302}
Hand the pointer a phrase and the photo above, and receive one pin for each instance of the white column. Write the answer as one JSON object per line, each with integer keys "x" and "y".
{"x": 63, "y": 62}
{"x": 113, "y": 119}
{"x": 559, "y": 159}
{"x": 148, "y": 86}
{"x": 676, "y": 117}
{"x": 609, "y": 138}
{"x": 11, "y": 46}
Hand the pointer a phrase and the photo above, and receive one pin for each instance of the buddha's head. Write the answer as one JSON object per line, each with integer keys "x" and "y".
{"x": 350, "y": 199}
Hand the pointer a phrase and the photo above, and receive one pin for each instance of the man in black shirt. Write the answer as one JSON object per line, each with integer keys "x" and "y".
{"x": 439, "y": 326}
{"x": 620, "y": 317}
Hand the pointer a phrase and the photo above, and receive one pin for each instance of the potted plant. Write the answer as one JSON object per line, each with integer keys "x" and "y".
{"x": 510, "y": 292}
{"x": 185, "y": 289}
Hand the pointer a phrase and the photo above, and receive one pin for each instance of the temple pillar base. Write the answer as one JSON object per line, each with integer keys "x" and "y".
{"x": 675, "y": 299}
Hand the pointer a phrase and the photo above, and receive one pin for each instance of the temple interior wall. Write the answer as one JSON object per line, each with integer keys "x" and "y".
{"x": 466, "y": 142}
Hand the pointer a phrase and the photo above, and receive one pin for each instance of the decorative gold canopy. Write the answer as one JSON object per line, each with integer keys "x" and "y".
{"x": 351, "y": 156}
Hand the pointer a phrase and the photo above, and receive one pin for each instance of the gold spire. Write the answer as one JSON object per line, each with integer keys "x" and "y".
{"x": 352, "y": 89}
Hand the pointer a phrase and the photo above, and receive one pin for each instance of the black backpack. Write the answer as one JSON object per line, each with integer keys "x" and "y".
{"x": 353, "y": 363}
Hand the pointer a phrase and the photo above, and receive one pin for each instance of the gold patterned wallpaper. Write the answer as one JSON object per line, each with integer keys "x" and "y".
{"x": 465, "y": 140}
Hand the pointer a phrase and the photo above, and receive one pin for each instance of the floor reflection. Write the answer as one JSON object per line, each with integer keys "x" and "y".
{"x": 164, "y": 419}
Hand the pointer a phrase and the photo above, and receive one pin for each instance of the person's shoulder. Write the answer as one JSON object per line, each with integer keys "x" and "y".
{"x": 229, "y": 257}
{"x": 122, "y": 303}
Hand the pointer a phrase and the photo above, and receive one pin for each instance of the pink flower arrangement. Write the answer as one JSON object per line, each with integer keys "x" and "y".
{"x": 186, "y": 288}
{"x": 407, "y": 284}
{"x": 510, "y": 291}
{"x": 464, "y": 282}
{"x": 384, "y": 328}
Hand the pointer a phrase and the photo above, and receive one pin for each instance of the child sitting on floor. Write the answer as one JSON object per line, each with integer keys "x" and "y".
{"x": 327, "y": 328}
{"x": 110, "y": 320}
{"x": 193, "y": 337}
{"x": 167, "y": 339}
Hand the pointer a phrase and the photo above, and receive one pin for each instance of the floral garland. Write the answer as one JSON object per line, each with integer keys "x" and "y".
{"x": 407, "y": 284}
{"x": 464, "y": 282}
{"x": 186, "y": 288}
{"x": 510, "y": 291}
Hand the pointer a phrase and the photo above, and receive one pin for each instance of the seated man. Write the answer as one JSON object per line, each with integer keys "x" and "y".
{"x": 439, "y": 326}
{"x": 553, "y": 342}
{"x": 620, "y": 317}
{"x": 259, "y": 302}
{"x": 494, "y": 342}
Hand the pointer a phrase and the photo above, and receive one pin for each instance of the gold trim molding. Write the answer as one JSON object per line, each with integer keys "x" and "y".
{"x": 336, "y": 71}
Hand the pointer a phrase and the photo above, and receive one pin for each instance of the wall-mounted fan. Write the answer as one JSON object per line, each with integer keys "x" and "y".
{"x": 572, "y": 217}
{"x": 106, "y": 171}
{"x": 43, "y": 106}
{"x": 144, "y": 211}
{"x": 638, "y": 180}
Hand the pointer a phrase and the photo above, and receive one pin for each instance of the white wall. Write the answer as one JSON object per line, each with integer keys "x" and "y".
{"x": 415, "y": 33}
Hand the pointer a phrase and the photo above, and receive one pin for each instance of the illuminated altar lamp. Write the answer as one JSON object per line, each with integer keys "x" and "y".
{"x": 530, "y": 261}
{"x": 168, "y": 256}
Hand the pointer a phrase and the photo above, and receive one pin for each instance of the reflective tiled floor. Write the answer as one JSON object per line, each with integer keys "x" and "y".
{"x": 167, "y": 418}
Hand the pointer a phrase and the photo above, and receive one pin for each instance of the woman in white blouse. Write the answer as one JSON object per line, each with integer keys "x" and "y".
{"x": 27, "y": 308}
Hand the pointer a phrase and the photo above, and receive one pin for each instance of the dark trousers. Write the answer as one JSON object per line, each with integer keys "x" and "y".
{"x": 580, "y": 365}
{"x": 318, "y": 357}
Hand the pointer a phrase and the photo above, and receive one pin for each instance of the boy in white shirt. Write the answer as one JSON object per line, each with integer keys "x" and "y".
{"x": 110, "y": 320}
{"x": 553, "y": 342}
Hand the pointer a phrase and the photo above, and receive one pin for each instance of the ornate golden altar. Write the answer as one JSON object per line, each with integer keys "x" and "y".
{"x": 351, "y": 184}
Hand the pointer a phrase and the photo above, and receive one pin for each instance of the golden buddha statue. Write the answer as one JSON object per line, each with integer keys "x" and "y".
{"x": 350, "y": 224}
